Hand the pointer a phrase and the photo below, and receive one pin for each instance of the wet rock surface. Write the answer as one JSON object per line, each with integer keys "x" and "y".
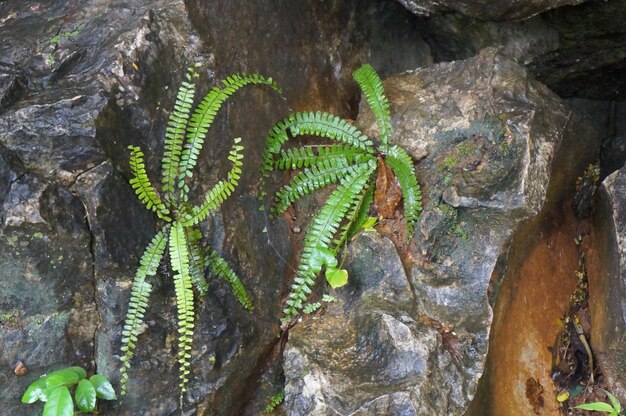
{"x": 487, "y": 10}
{"x": 78, "y": 84}
{"x": 576, "y": 51}
{"x": 540, "y": 270}
{"x": 484, "y": 135}
{"x": 607, "y": 282}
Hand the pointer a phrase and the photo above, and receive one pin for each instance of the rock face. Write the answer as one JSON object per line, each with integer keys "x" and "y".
{"x": 484, "y": 134}
{"x": 80, "y": 84}
{"x": 576, "y": 51}
{"x": 608, "y": 283}
{"x": 485, "y": 9}
{"x": 536, "y": 285}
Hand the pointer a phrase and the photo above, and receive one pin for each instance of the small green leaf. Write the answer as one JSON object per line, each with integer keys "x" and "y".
{"x": 322, "y": 256}
{"x": 65, "y": 377}
{"x": 336, "y": 277}
{"x": 368, "y": 224}
{"x": 85, "y": 396}
{"x": 616, "y": 405}
{"x": 104, "y": 390}
{"x": 59, "y": 403}
{"x": 36, "y": 391}
{"x": 80, "y": 372}
{"x": 596, "y": 406}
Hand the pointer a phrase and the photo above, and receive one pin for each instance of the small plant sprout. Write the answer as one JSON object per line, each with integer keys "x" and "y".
{"x": 54, "y": 389}
{"x": 613, "y": 409}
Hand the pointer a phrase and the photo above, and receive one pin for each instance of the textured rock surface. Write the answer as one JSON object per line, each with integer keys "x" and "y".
{"x": 78, "y": 84}
{"x": 608, "y": 282}
{"x": 537, "y": 282}
{"x": 576, "y": 51}
{"x": 484, "y": 134}
{"x": 486, "y": 9}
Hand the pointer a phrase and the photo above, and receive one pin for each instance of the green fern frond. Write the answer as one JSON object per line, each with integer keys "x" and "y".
{"x": 205, "y": 113}
{"x": 316, "y": 177}
{"x": 356, "y": 217}
{"x": 372, "y": 88}
{"x": 140, "y": 292}
{"x": 234, "y": 82}
{"x": 314, "y": 124}
{"x": 222, "y": 190}
{"x": 306, "y": 156}
{"x": 318, "y": 242}
{"x": 175, "y": 132}
{"x": 142, "y": 185}
{"x": 179, "y": 257}
{"x": 196, "y": 260}
{"x": 220, "y": 268}
{"x": 402, "y": 166}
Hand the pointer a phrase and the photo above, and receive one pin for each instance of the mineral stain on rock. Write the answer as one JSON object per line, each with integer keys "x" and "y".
{"x": 534, "y": 394}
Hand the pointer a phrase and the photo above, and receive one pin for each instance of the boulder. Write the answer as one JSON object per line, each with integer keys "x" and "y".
{"x": 576, "y": 51}
{"x": 483, "y": 134}
{"x": 607, "y": 281}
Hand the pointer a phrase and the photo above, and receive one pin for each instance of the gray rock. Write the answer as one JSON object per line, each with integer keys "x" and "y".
{"x": 576, "y": 51}
{"x": 484, "y": 135}
{"x": 607, "y": 251}
{"x": 485, "y": 9}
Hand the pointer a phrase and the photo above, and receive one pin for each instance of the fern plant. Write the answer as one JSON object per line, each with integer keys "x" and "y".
{"x": 350, "y": 160}
{"x": 185, "y": 135}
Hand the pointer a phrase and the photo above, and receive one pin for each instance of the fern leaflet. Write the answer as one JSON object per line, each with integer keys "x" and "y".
{"x": 204, "y": 115}
{"x": 315, "y": 124}
{"x": 356, "y": 217}
{"x": 372, "y": 88}
{"x": 142, "y": 185}
{"x": 139, "y": 300}
{"x": 175, "y": 132}
{"x": 179, "y": 257}
{"x": 402, "y": 166}
{"x": 307, "y": 181}
{"x": 307, "y": 156}
{"x": 222, "y": 190}
{"x": 220, "y": 268}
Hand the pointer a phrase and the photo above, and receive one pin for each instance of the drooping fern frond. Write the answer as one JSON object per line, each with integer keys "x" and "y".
{"x": 220, "y": 268}
{"x": 318, "y": 241}
{"x": 312, "y": 124}
{"x": 311, "y": 179}
{"x": 175, "y": 132}
{"x": 402, "y": 166}
{"x": 205, "y": 113}
{"x": 372, "y": 88}
{"x": 142, "y": 185}
{"x": 179, "y": 257}
{"x": 140, "y": 292}
{"x": 222, "y": 190}
{"x": 306, "y": 156}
